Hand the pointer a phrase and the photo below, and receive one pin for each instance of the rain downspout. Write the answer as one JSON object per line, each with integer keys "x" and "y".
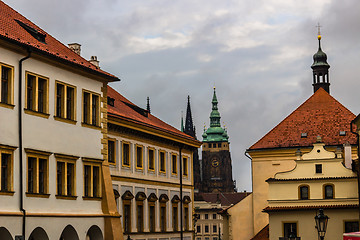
{"x": 21, "y": 145}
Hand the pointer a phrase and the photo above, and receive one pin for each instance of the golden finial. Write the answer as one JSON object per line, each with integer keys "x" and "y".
{"x": 319, "y": 34}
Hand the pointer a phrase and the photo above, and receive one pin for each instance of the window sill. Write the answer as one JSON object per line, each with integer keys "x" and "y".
{"x": 7, "y": 105}
{"x": 65, "y": 120}
{"x": 39, "y": 195}
{"x": 8, "y": 193}
{"x": 90, "y": 126}
{"x": 92, "y": 198}
{"x": 35, "y": 113}
{"x": 66, "y": 197}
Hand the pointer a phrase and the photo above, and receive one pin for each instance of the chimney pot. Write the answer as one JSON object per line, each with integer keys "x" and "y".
{"x": 93, "y": 60}
{"x": 75, "y": 47}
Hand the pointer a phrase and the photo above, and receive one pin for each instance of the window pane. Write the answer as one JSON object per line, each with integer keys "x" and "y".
{"x": 96, "y": 172}
{"x": 111, "y": 151}
{"x": 289, "y": 228}
{"x": 152, "y": 218}
{"x": 139, "y": 157}
{"x": 41, "y": 95}
{"x": 126, "y": 154}
{"x": 162, "y": 161}
{"x": 42, "y": 175}
{"x": 163, "y": 218}
{"x": 87, "y": 180}
{"x": 70, "y": 179}
{"x": 94, "y": 106}
{"x": 151, "y": 159}
{"x": 127, "y": 218}
{"x": 60, "y": 177}
{"x": 59, "y": 99}
{"x": 175, "y": 218}
{"x": 5, "y": 172}
{"x": 140, "y": 218}
{"x": 86, "y": 108}
{"x": 304, "y": 193}
{"x": 329, "y": 193}
{"x": 185, "y": 167}
{"x": 174, "y": 170}
{"x": 30, "y": 92}
{"x": 351, "y": 226}
{"x": 70, "y": 103}
{"x": 31, "y": 169}
{"x": 5, "y": 84}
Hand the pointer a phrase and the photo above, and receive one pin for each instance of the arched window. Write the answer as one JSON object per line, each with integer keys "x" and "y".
{"x": 304, "y": 192}
{"x": 328, "y": 191}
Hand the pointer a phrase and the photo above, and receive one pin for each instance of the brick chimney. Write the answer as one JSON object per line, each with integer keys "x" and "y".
{"x": 75, "y": 47}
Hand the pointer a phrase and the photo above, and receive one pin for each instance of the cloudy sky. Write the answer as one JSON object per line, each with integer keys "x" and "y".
{"x": 258, "y": 54}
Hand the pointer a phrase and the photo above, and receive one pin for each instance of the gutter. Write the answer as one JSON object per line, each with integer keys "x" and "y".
{"x": 358, "y": 153}
{"x": 20, "y": 107}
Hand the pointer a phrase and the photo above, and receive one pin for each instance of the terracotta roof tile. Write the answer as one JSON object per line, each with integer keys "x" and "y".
{"x": 122, "y": 109}
{"x": 315, "y": 207}
{"x": 320, "y": 115}
{"x": 307, "y": 179}
{"x": 263, "y": 234}
{"x": 11, "y": 30}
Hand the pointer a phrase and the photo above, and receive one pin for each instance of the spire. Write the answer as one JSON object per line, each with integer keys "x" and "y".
{"x": 215, "y": 115}
{"x": 320, "y": 68}
{"x": 148, "y": 104}
{"x": 182, "y": 122}
{"x": 189, "y": 126}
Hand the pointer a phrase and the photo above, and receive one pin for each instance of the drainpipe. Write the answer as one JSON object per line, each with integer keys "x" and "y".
{"x": 358, "y": 165}
{"x": 21, "y": 145}
{"x": 181, "y": 195}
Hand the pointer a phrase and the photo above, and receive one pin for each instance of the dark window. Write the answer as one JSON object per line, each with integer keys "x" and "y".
{"x": 185, "y": 166}
{"x": 70, "y": 102}
{"x": 86, "y": 107}
{"x": 30, "y": 92}
{"x": 31, "y": 173}
{"x": 5, "y": 84}
{"x": 127, "y": 218}
{"x": 206, "y": 228}
{"x": 318, "y": 168}
{"x": 140, "y": 218}
{"x": 111, "y": 151}
{"x": 96, "y": 175}
{"x": 94, "y": 110}
{"x": 174, "y": 164}
{"x": 163, "y": 218}
{"x": 290, "y": 228}
{"x": 59, "y": 99}
{"x": 87, "y": 180}
{"x": 186, "y": 218}
{"x": 5, "y": 172}
{"x": 151, "y": 159}
{"x": 41, "y": 95}
{"x": 70, "y": 179}
{"x": 152, "y": 218}
{"x": 214, "y": 145}
{"x": 214, "y": 216}
{"x": 210, "y": 145}
{"x": 329, "y": 192}
{"x": 60, "y": 174}
{"x": 219, "y": 145}
{"x": 351, "y": 226}
{"x": 304, "y": 192}
{"x": 139, "y": 158}
{"x": 214, "y": 228}
{"x": 175, "y": 218}
{"x": 126, "y": 154}
{"x": 162, "y": 162}
{"x": 198, "y": 228}
{"x": 206, "y": 216}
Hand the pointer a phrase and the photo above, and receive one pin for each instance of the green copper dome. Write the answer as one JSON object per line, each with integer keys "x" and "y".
{"x": 215, "y": 133}
{"x": 320, "y": 58}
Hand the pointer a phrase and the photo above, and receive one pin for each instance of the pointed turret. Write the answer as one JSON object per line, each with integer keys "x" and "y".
{"x": 320, "y": 69}
{"x": 189, "y": 126}
{"x": 215, "y": 133}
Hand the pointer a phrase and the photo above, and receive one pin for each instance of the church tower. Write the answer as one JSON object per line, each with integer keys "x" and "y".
{"x": 216, "y": 159}
{"x": 320, "y": 69}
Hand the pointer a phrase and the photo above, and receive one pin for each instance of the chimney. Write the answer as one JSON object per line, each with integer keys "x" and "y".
{"x": 75, "y": 47}
{"x": 93, "y": 60}
{"x": 347, "y": 153}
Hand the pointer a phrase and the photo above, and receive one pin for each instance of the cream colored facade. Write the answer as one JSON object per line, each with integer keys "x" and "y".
{"x": 209, "y": 225}
{"x": 159, "y": 188}
{"x": 313, "y": 172}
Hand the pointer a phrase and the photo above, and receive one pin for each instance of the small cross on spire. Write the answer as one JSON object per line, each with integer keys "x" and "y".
{"x": 318, "y": 27}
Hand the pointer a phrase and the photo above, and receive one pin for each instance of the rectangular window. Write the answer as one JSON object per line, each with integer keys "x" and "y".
{"x": 139, "y": 157}
{"x": 140, "y": 218}
{"x": 214, "y": 228}
{"x": 290, "y": 228}
{"x": 206, "y": 228}
{"x": 318, "y": 168}
{"x": 174, "y": 164}
{"x": 206, "y": 216}
{"x": 214, "y": 216}
{"x": 198, "y": 229}
{"x": 111, "y": 151}
{"x": 163, "y": 217}
{"x": 91, "y": 108}
{"x": 186, "y": 217}
{"x": 151, "y": 156}
{"x": 175, "y": 217}
{"x": 162, "y": 161}
{"x": 37, "y": 93}
{"x": 126, "y": 154}
{"x": 127, "y": 216}
{"x": 65, "y": 101}
{"x": 65, "y": 176}
{"x": 351, "y": 226}
{"x": 6, "y": 174}
{"x": 6, "y": 85}
{"x": 92, "y": 180}
{"x": 152, "y": 217}
{"x": 185, "y": 166}
{"x": 37, "y": 172}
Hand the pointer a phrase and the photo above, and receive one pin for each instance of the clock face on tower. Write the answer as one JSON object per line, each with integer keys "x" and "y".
{"x": 215, "y": 163}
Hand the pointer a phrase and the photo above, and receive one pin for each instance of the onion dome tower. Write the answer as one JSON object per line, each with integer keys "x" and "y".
{"x": 320, "y": 69}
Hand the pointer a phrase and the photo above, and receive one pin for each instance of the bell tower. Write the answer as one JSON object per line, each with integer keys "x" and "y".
{"x": 320, "y": 68}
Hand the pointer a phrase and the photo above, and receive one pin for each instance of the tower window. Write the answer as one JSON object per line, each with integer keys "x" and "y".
{"x": 318, "y": 168}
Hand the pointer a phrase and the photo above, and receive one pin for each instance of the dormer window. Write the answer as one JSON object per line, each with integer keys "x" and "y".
{"x": 33, "y": 32}
{"x": 342, "y": 133}
{"x": 111, "y": 101}
{"x": 303, "y": 135}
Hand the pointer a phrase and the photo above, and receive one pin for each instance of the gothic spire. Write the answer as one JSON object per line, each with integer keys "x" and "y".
{"x": 189, "y": 126}
{"x": 215, "y": 115}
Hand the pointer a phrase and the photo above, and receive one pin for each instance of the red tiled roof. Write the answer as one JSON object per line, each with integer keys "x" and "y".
{"x": 226, "y": 199}
{"x": 298, "y": 208}
{"x": 10, "y": 30}
{"x": 308, "y": 179}
{"x": 320, "y": 115}
{"x": 263, "y": 234}
{"x": 123, "y": 110}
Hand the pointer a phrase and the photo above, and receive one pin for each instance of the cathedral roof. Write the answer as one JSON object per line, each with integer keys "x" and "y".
{"x": 225, "y": 199}
{"x": 123, "y": 109}
{"x": 320, "y": 115}
{"x": 17, "y": 29}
